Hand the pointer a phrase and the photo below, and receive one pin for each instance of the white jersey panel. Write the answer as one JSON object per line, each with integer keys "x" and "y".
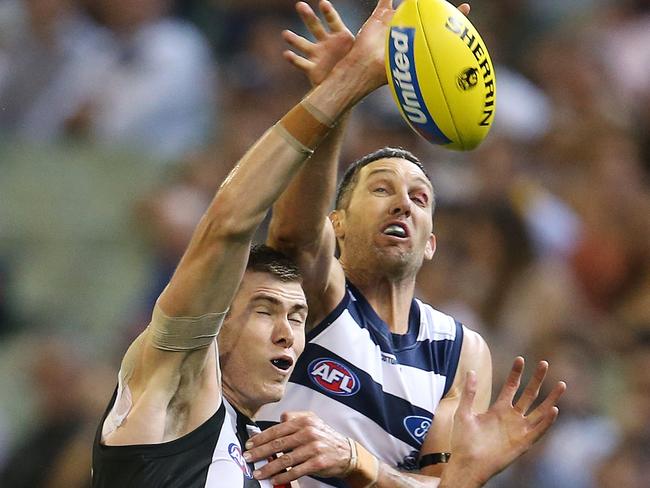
{"x": 444, "y": 328}
{"x": 228, "y": 467}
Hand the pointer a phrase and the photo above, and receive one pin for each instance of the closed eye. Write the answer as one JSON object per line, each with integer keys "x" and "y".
{"x": 297, "y": 319}
{"x": 420, "y": 198}
{"x": 419, "y": 201}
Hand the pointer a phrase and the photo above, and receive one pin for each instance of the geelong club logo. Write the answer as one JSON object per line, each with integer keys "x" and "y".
{"x": 236, "y": 455}
{"x": 333, "y": 377}
{"x": 417, "y": 427}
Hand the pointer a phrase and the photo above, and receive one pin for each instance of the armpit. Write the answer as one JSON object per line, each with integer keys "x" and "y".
{"x": 123, "y": 399}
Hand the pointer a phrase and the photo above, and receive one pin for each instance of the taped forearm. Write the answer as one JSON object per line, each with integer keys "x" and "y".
{"x": 305, "y": 126}
{"x": 275, "y": 158}
{"x": 313, "y": 118}
{"x": 287, "y": 145}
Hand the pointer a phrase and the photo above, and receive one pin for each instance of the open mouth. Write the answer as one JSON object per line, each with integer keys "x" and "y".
{"x": 282, "y": 363}
{"x": 396, "y": 230}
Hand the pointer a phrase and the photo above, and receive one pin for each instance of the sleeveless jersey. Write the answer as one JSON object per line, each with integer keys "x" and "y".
{"x": 377, "y": 387}
{"x": 208, "y": 457}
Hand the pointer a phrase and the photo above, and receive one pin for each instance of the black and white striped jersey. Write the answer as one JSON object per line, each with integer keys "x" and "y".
{"x": 208, "y": 457}
{"x": 380, "y": 388}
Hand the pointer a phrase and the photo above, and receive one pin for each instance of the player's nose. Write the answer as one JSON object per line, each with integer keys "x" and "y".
{"x": 401, "y": 204}
{"x": 283, "y": 332}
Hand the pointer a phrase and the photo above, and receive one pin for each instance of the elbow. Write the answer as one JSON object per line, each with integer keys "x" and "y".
{"x": 292, "y": 238}
{"x": 285, "y": 242}
{"x": 222, "y": 223}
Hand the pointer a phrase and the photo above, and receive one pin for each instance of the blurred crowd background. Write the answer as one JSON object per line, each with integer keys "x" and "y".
{"x": 119, "y": 119}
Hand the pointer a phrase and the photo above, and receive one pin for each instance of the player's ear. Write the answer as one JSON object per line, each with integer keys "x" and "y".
{"x": 337, "y": 217}
{"x": 430, "y": 248}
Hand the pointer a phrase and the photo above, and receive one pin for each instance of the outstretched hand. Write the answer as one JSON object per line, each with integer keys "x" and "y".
{"x": 486, "y": 443}
{"x": 333, "y": 40}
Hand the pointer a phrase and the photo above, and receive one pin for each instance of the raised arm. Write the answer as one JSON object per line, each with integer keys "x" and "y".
{"x": 175, "y": 362}
{"x": 208, "y": 274}
{"x": 300, "y": 226}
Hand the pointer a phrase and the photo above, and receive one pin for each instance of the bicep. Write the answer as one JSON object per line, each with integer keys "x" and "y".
{"x": 151, "y": 380}
{"x": 208, "y": 275}
{"x": 179, "y": 341}
{"x": 165, "y": 373}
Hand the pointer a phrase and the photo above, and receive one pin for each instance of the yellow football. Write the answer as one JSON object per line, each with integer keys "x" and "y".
{"x": 441, "y": 74}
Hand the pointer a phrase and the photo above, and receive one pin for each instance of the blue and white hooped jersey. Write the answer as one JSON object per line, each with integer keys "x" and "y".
{"x": 377, "y": 387}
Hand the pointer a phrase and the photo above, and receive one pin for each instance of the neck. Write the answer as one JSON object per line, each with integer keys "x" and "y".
{"x": 239, "y": 402}
{"x": 391, "y": 299}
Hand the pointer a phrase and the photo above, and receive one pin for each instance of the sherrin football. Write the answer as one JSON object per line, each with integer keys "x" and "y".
{"x": 441, "y": 74}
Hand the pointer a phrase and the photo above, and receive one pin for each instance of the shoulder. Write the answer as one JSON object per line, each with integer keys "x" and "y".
{"x": 475, "y": 349}
{"x": 475, "y": 356}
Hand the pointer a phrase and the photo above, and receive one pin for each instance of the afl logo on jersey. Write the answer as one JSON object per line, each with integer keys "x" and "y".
{"x": 333, "y": 377}
{"x": 236, "y": 455}
{"x": 417, "y": 427}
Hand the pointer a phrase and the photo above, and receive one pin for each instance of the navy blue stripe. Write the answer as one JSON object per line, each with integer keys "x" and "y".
{"x": 386, "y": 410}
{"x": 454, "y": 357}
{"x": 437, "y": 356}
{"x": 366, "y": 316}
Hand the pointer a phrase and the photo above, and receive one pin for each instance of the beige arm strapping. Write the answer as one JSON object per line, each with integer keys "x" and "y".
{"x": 184, "y": 333}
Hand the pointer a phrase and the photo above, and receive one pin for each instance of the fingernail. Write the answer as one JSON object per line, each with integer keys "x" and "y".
{"x": 249, "y": 444}
{"x": 247, "y": 456}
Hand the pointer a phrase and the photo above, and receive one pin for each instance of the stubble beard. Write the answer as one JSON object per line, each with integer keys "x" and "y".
{"x": 398, "y": 263}
{"x": 376, "y": 261}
